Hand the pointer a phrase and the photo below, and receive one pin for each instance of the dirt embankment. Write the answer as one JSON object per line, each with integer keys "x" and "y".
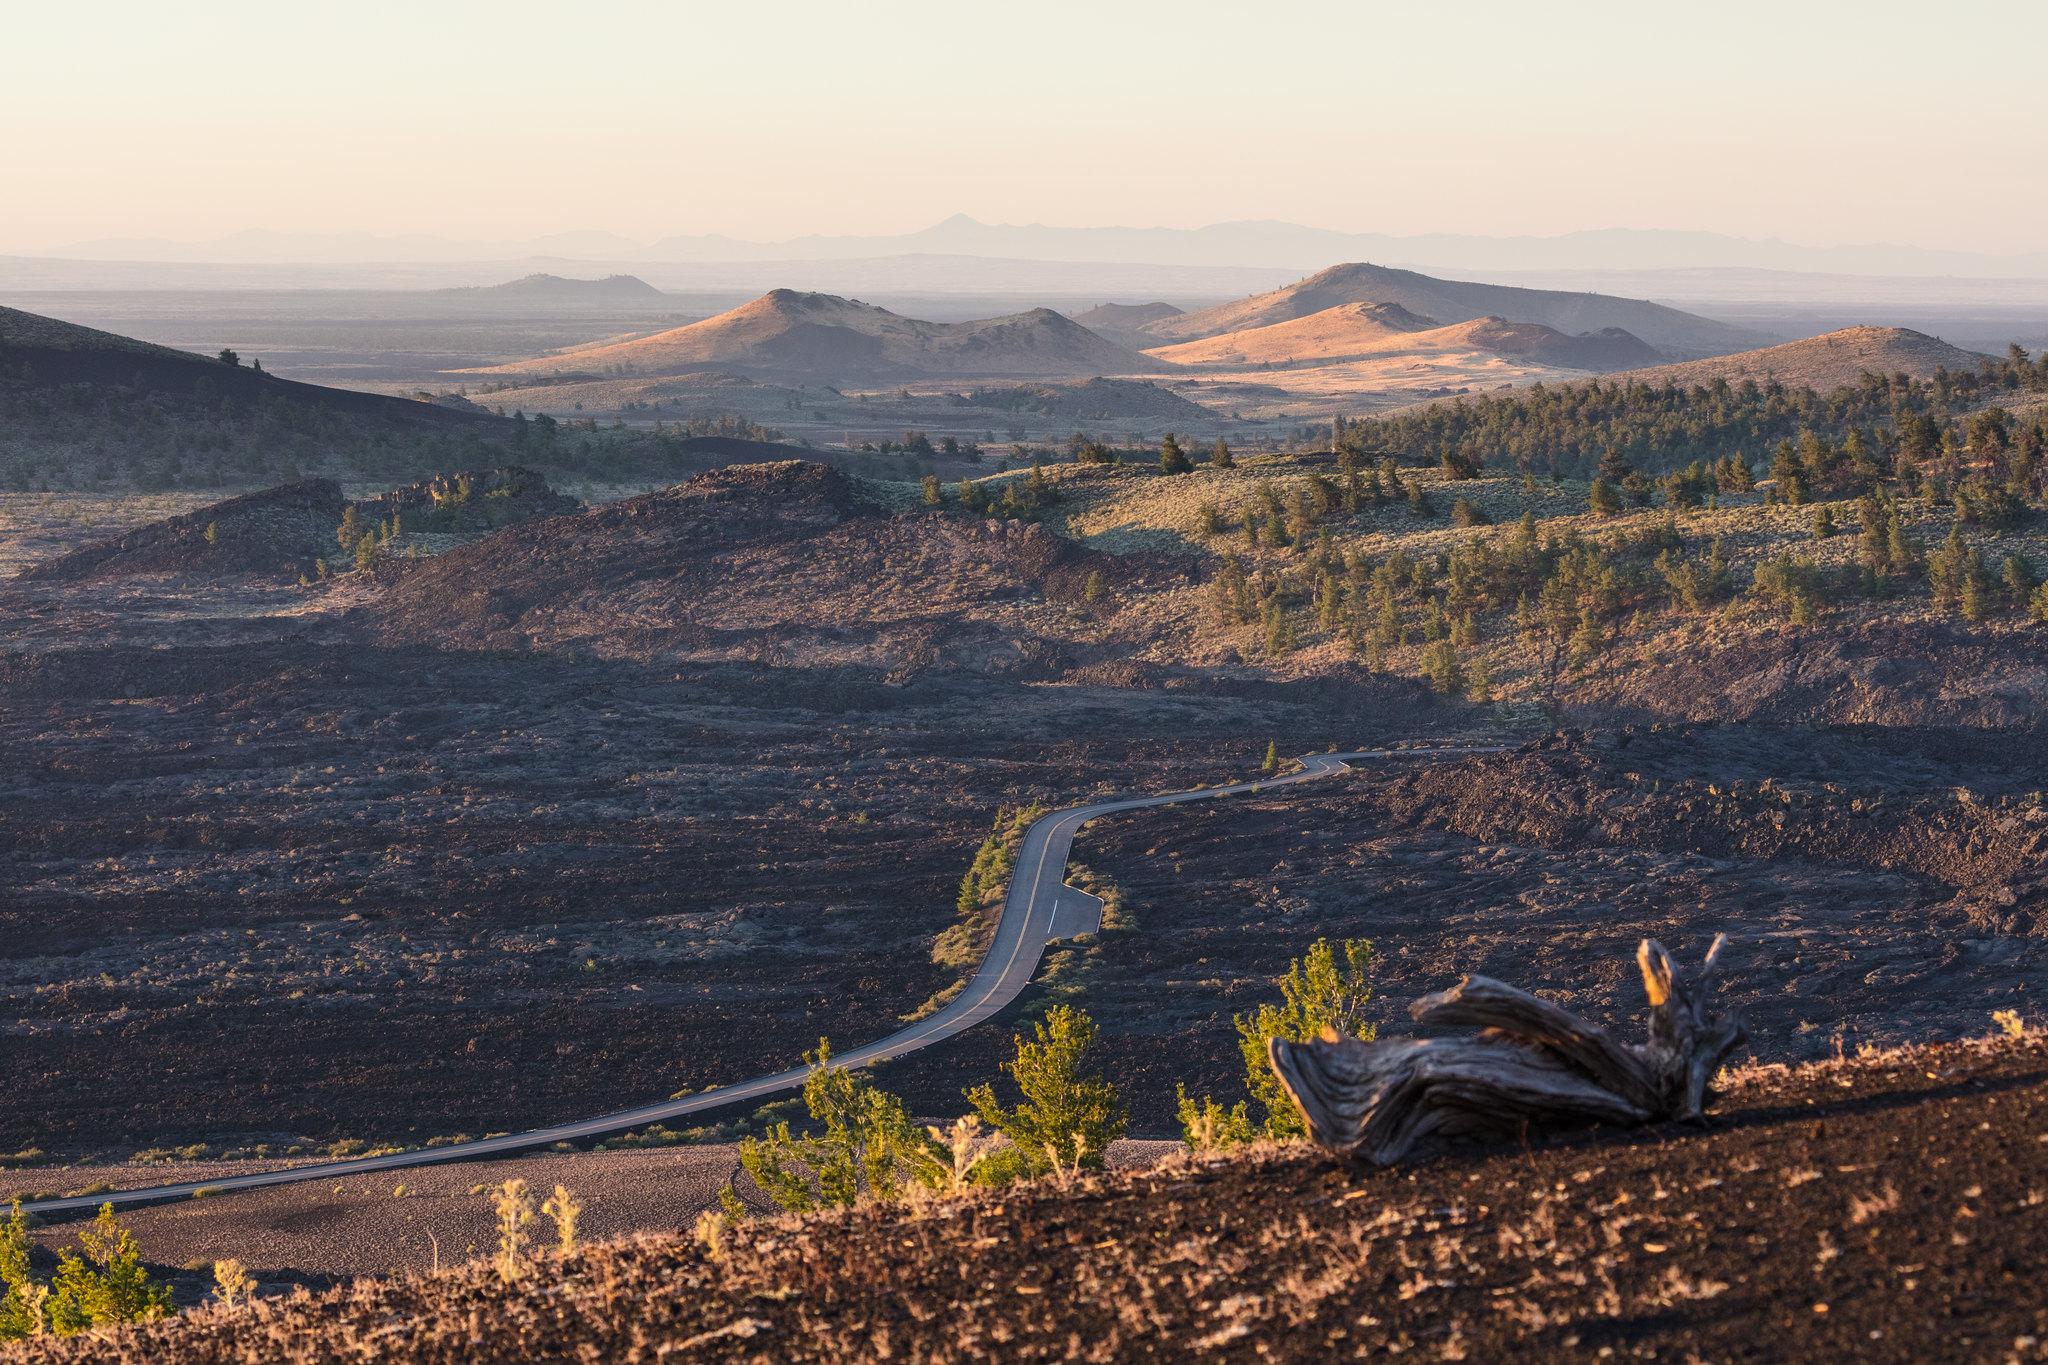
{"x": 1888, "y": 1209}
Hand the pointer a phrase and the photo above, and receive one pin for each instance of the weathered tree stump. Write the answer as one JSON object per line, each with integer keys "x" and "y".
{"x": 1531, "y": 1064}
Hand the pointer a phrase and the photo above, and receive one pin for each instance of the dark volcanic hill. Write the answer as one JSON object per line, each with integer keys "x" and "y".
{"x": 39, "y": 354}
{"x": 1670, "y": 331}
{"x": 285, "y": 530}
{"x": 778, "y": 563}
{"x": 824, "y": 337}
{"x": 280, "y": 530}
{"x": 81, "y": 408}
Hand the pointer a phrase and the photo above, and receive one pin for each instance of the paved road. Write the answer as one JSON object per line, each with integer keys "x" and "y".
{"x": 1021, "y": 937}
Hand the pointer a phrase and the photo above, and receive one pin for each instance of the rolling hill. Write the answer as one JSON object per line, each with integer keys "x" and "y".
{"x": 791, "y": 562}
{"x": 1112, "y": 317}
{"x": 558, "y": 290}
{"x": 1123, "y": 323}
{"x": 1825, "y": 362}
{"x": 81, "y": 407}
{"x": 41, "y": 353}
{"x": 1670, "y": 331}
{"x": 823, "y": 337}
{"x": 1338, "y": 333}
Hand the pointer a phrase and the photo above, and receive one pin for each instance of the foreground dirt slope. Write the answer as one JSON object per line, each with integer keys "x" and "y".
{"x": 1894, "y": 1208}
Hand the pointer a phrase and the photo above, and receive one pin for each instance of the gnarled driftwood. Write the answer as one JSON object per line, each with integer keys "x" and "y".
{"x": 1531, "y": 1064}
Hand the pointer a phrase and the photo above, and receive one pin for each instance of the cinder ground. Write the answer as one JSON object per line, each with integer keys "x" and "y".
{"x": 317, "y": 1234}
{"x": 1892, "y": 1208}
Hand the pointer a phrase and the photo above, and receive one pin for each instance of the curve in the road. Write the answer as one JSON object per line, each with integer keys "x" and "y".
{"x": 1021, "y": 937}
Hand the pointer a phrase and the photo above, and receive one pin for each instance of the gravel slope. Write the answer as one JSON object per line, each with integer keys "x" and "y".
{"x": 1892, "y": 1208}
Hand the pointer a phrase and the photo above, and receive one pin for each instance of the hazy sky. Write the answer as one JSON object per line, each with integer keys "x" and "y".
{"x": 1821, "y": 122}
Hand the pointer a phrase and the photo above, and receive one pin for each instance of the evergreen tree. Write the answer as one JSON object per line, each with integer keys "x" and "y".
{"x": 103, "y": 1282}
{"x": 1318, "y": 992}
{"x": 1172, "y": 459}
{"x": 2020, "y": 580}
{"x": 1065, "y": 1119}
{"x": 868, "y": 1149}
{"x": 1220, "y": 456}
{"x": 1604, "y": 499}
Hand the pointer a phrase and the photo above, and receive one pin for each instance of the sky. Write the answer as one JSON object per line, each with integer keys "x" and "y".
{"x": 1818, "y": 122}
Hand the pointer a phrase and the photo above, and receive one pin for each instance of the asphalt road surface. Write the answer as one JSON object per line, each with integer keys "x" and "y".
{"x": 1026, "y": 927}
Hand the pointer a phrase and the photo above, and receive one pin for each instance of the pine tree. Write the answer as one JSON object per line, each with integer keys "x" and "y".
{"x": 1065, "y": 1119}
{"x": 1220, "y": 456}
{"x": 1172, "y": 459}
{"x": 869, "y": 1149}
{"x": 1271, "y": 764}
{"x": 1604, "y": 499}
{"x": 1318, "y": 992}
{"x": 103, "y": 1282}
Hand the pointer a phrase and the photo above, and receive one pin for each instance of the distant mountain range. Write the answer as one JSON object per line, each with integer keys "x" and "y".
{"x": 1264, "y": 244}
{"x": 789, "y": 334}
{"x": 1345, "y": 313}
{"x": 545, "y": 288}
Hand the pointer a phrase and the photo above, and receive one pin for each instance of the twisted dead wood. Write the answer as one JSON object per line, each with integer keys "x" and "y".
{"x": 1531, "y": 1064}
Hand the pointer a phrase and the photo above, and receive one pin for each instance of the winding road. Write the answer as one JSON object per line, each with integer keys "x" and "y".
{"x": 1026, "y": 927}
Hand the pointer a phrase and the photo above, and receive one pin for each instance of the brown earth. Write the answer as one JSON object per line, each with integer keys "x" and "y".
{"x": 1888, "y": 1208}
